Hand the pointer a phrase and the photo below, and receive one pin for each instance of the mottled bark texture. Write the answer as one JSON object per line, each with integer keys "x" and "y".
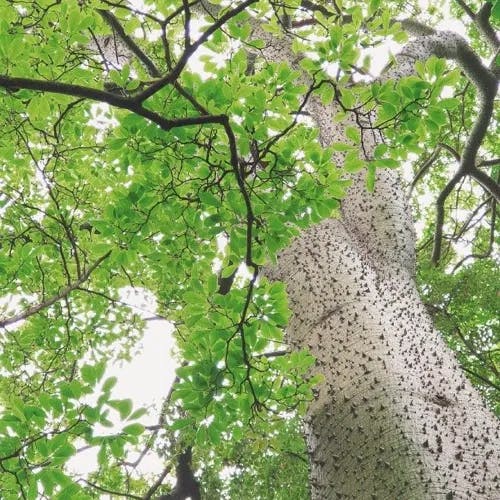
{"x": 395, "y": 417}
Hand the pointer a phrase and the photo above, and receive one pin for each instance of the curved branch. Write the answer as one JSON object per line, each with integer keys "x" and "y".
{"x": 450, "y": 150}
{"x": 129, "y": 103}
{"x": 482, "y": 21}
{"x": 414, "y": 27}
{"x": 15, "y": 83}
{"x": 485, "y": 27}
{"x": 452, "y": 46}
{"x": 487, "y": 182}
{"x": 449, "y": 45}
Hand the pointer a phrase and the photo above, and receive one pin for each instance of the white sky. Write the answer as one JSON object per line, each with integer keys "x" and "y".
{"x": 146, "y": 380}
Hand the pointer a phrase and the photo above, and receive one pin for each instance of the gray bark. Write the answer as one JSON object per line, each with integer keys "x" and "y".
{"x": 395, "y": 417}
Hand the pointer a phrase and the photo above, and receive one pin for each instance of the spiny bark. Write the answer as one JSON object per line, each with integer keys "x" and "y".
{"x": 395, "y": 416}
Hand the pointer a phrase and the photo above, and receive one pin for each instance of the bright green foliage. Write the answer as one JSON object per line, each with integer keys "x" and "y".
{"x": 465, "y": 308}
{"x": 268, "y": 462}
{"x": 95, "y": 198}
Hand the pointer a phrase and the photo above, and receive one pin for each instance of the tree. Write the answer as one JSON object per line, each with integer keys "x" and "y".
{"x": 211, "y": 154}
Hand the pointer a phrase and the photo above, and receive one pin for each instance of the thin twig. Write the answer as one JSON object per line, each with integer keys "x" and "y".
{"x": 440, "y": 212}
{"x": 111, "y": 492}
{"x": 56, "y": 298}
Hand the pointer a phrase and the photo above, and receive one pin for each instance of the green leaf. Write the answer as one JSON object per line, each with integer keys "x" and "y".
{"x": 352, "y": 163}
{"x": 309, "y": 65}
{"x": 89, "y": 374}
{"x": 48, "y": 481}
{"x": 124, "y": 407}
{"x": 138, "y": 414}
{"x": 109, "y": 383}
{"x": 214, "y": 434}
{"x": 181, "y": 424}
{"x": 71, "y": 492}
{"x": 495, "y": 12}
{"x": 438, "y": 116}
{"x": 63, "y": 453}
{"x": 370, "y": 177}
{"x": 102, "y": 455}
{"x": 353, "y": 134}
{"x": 169, "y": 188}
{"x": 133, "y": 429}
{"x": 340, "y": 146}
{"x": 335, "y": 35}
{"x": 38, "y": 109}
{"x": 117, "y": 447}
{"x": 380, "y": 150}
{"x": 449, "y": 103}
{"x": 327, "y": 94}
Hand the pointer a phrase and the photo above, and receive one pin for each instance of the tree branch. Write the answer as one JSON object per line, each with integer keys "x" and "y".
{"x": 483, "y": 379}
{"x": 172, "y": 76}
{"x": 491, "y": 242}
{"x": 454, "y": 47}
{"x": 129, "y": 103}
{"x": 113, "y": 22}
{"x": 428, "y": 163}
{"x": 466, "y": 9}
{"x": 449, "y": 45}
{"x": 110, "y": 492}
{"x": 438, "y": 230}
{"x": 157, "y": 483}
{"x": 307, "y": 4}
{"x": 56, "y": 298}
{"x": 15, "y": 83}
{"x": 489, "y": 163}
{"x": 487, "y": 182}
{"x": 186, "y": 486}
{"x": 482, "y": 21}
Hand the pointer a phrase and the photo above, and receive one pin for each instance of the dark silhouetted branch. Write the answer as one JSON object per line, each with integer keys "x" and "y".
{"x": 172, "y": 76}
{"x": 186, "y": 486}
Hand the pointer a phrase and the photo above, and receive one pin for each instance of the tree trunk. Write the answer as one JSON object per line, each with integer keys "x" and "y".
{"x": 395, "y": 417}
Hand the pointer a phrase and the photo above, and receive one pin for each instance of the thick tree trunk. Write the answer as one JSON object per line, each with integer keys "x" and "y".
{"x": 395, "y": 417}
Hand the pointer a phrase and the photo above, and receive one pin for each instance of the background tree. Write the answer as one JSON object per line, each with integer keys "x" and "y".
{"x": 178, "y": 149}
